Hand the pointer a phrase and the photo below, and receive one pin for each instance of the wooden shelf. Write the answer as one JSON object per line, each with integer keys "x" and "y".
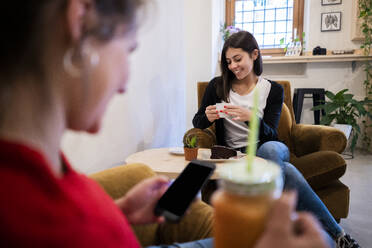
{"x": 315, "y": 59}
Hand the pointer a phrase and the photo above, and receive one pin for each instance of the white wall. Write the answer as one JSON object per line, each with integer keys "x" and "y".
{"x": 198, "y": 49}
{"x": 203, "y": 44}
{"x": 334, "y": 39}
{"x": 331, "y": 76}
{"x": 152, "y": 112}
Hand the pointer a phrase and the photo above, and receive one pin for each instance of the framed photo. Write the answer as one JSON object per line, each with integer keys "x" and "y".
{"x": 356, "y": 23}
{"x": 331, "y": 2}
{"x": 331, "y": 21}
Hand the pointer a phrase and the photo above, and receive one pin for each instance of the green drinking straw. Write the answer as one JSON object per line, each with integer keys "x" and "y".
{"x": 253, "y": 133}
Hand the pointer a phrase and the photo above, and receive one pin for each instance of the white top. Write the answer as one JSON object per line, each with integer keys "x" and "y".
{"x": 236, "y": 131}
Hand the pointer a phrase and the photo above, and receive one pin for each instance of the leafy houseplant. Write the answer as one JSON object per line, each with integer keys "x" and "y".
{"x": 190, "y": 148}
{"x": 344, "y": 109}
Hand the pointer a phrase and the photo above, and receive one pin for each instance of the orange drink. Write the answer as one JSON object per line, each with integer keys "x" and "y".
{"x": 243, "y": 201}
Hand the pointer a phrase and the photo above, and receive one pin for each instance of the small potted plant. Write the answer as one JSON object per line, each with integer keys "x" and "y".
{"x": 190, "y": 148}
{"x": 342, "y": 108}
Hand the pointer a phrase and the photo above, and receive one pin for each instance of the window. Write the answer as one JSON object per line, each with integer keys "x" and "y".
{"x": 270, "y": 21}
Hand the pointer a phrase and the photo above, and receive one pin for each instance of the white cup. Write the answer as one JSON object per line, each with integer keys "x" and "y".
{"x": 220, "y": 106}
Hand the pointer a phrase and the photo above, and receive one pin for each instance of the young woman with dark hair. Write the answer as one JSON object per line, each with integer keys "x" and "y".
{"x": 241, "y": 67}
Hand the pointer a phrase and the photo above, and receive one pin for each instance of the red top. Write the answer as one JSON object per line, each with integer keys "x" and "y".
{"x": 40, "y": 210}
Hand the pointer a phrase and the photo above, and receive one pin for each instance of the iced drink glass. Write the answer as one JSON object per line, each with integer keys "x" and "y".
{"x": 243, "y": 200}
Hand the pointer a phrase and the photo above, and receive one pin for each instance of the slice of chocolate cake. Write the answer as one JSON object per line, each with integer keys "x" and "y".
{"x": 222, "y": 152}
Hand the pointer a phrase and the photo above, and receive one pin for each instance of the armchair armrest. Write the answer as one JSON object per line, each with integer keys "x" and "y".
{"x": 206, "y": 138}
{"x": 117, "y": 182}
{"x": 197, "y": 224}
{"x": 311, "y": 138}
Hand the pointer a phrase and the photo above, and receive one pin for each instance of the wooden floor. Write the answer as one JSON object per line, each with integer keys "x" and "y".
{"x": 358, "y": 177}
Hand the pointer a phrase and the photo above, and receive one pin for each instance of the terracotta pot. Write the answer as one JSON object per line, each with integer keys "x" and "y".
{"x": 190, "y": 153}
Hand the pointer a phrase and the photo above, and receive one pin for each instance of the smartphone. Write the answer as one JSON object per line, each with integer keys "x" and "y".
{"x": 180, "y": 194}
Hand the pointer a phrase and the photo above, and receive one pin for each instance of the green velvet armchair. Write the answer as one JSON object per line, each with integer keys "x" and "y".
{"x": 197, "y": 224}
{"x": 314, "y": 150}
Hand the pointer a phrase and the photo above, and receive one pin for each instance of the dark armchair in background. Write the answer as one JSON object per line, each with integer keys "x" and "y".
{"x": 314, "y": 150}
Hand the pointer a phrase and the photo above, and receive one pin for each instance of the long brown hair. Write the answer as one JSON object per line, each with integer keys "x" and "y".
{"x": 248, "y": 43}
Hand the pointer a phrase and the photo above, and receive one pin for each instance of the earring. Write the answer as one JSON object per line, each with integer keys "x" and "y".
{"x": 92, "y": 56}
{"x": 72, "y": 70}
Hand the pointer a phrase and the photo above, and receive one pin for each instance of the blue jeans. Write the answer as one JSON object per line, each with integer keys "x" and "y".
{"x": 204, "y": 243}
{"x": 293, "y": 180}
{"x": 208, "y": 243}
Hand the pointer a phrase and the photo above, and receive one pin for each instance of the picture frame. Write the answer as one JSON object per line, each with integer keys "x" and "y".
{"x": 356, "y": 23}
{"x": 330, "y": 21}
{"x": 331, "y": 2}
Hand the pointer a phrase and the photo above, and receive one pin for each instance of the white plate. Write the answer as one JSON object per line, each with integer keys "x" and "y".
{"x": 176, "y": 150}
{"x": 205, "y": 155}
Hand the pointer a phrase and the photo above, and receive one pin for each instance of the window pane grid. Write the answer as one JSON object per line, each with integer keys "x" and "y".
{"x": 268, "y": 20}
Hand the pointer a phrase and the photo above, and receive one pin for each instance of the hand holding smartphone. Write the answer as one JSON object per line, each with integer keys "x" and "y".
{"x": 178, "y": 197}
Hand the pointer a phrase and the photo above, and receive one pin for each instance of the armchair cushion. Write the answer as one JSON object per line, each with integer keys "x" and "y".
{"x": 320, "y": 168}
{"x": 336, "y": 195}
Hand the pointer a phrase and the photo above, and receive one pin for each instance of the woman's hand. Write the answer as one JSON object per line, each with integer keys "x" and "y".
{"x": 212, "y": 113}
{"x": 139, "y": 203}
{"x": 283, "y": 231}
{"x": 238, "y": 113}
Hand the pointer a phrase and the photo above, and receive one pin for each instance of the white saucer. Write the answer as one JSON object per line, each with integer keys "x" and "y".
{"x": 176, "y": 150}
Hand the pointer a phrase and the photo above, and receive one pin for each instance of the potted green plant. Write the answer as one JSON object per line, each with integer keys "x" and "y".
{"x": 190, "y": 147}
{"x": 342, "y": 108}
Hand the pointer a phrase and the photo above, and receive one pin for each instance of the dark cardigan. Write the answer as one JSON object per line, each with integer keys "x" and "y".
{"x": 268, "y": 124}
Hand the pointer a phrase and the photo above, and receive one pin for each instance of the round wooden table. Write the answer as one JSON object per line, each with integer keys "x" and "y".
{"x": 160, "y": 160}
{"x": 163, "y": 162}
